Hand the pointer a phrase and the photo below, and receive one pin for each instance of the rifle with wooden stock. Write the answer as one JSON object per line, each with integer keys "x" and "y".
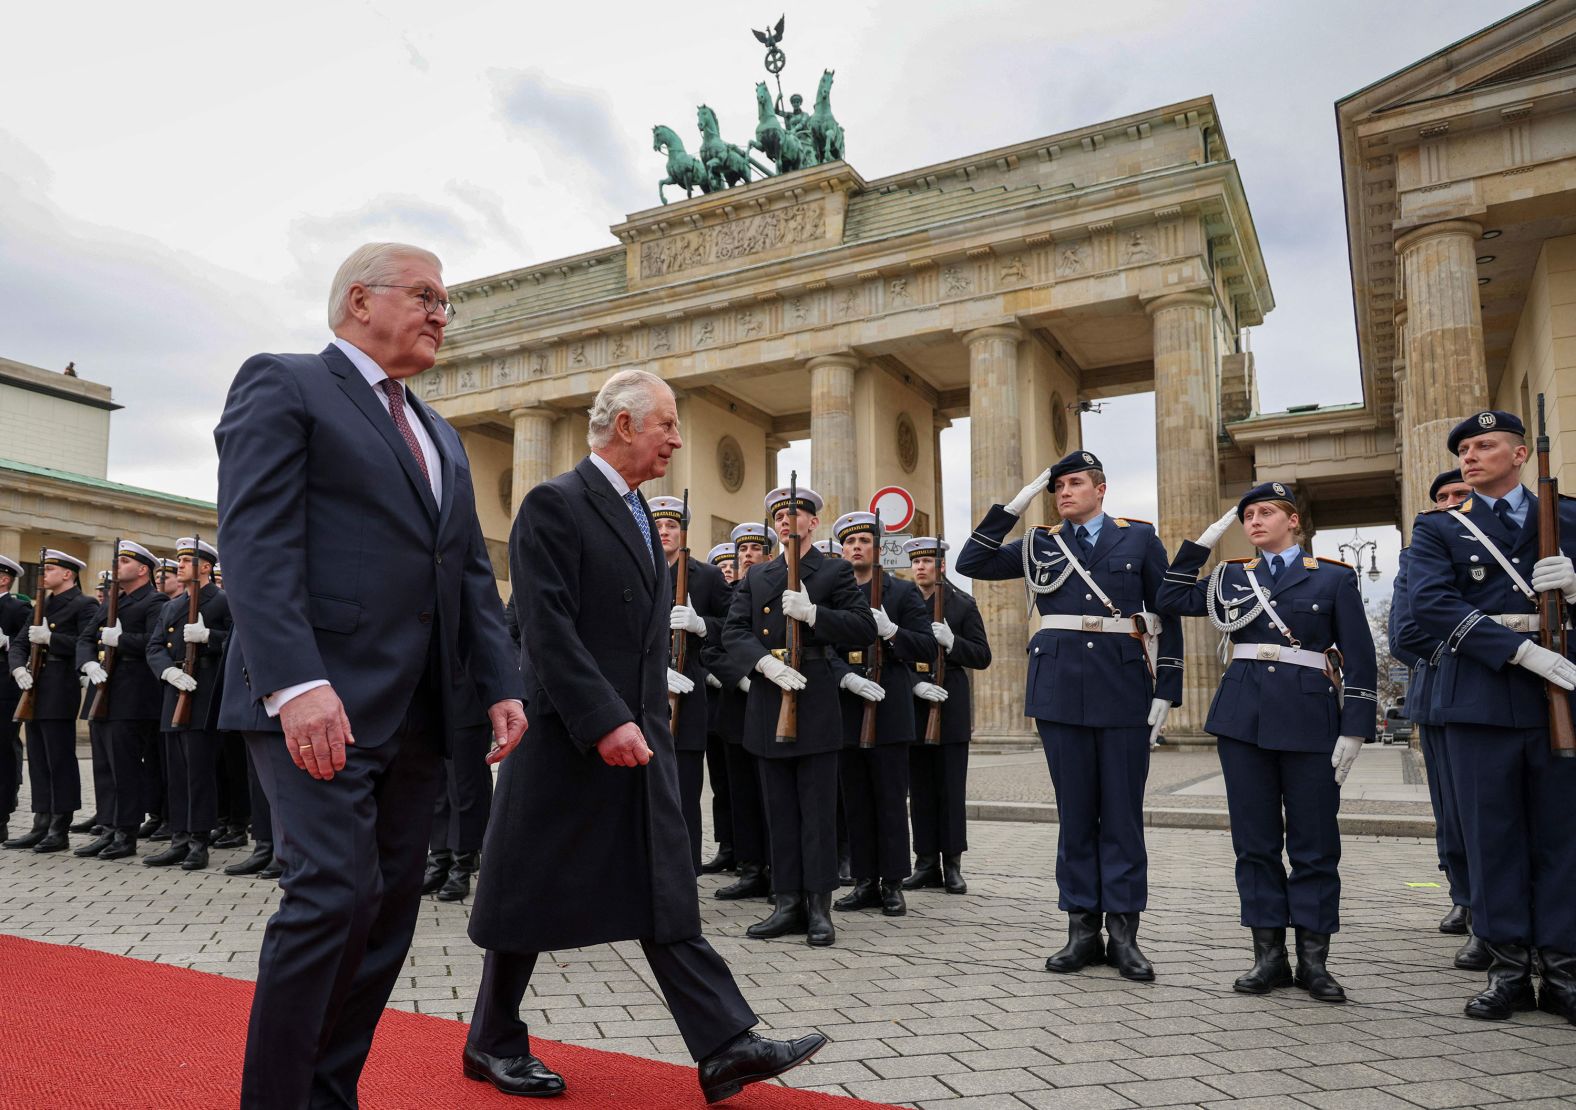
{"x": 867, "y": 723}
{"x": 938, "y": 613}
{"x": 788, "y": 708}
{"x": 181, "y": 717}
{"x": 1552, "y": 614}
{"x": 36, "y": 654}
{"x": 100, "y": 708}
{"x": 678, "y": 638}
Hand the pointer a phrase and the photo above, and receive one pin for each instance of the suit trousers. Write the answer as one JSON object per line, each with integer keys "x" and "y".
{"x": 155, "y": 792}
{"x": 696, "y": 984}
{"x": 200, "y": 757}
{"x": 177, "y": 812}
{"x": 721, "y": 788}
{"x": 124, "y": 742}
{"x": 459, "y": 820}
{"x": 1098, "y": 775}
{"x": 1514, "y": 798}
{"x": 52, "y": 772}
{"x": 10, "y": 761}
{"x": 1261, "y": 784}
{"x": 749, "y": 810}
{"x": 1448, "y": 841}
{"x": 938, "y": 776}
{"x": 692, "y": 779}
{"x": 262, "y": 812}
{"x": 800, "y": 796}
{"x": 875, "y": 797}
{"x": 353, "y": 847}
{"x": 103, "y": 777}
{"x": 234, "y": 797}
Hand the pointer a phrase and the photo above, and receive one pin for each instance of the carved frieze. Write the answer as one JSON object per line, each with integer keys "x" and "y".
{"x": 735, "y": 240}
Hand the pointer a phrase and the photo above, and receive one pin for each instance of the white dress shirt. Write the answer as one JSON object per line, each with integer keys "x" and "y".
{"x": 620, "y": 486}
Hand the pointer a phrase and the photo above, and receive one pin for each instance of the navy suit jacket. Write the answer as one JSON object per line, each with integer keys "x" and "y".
{"x": 339, "y": 564}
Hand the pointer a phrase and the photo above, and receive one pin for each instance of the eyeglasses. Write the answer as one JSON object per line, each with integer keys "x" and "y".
{"x": 429, "y": 299}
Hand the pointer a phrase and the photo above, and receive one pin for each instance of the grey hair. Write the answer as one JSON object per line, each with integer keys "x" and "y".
{"x": 371, "y": 264}
{"x": 631, "y": 391}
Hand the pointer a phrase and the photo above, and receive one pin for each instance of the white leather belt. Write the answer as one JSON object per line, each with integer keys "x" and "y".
{"x": 1280, "y": 653}
{"x": 1517, "y": 622}
{"x": 1089, "y": 623}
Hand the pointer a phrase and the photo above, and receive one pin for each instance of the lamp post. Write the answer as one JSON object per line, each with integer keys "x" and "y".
{"x": 1352, "y": 552}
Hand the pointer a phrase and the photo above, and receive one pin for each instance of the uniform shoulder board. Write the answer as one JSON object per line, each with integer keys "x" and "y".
{"x": 1246, "y": 561}
{"x": 1309, "y": 563}
{"x": 1124, "y": 521}
{"x": 1441, "y": 509}
{"x": 1051, "y": 528}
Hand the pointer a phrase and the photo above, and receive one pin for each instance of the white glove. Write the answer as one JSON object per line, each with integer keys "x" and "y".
{"x": 1555, "y": 573}
{"x": 97, "y": 675}
{"x": 942, "y": 631}
{"x": 179, "y": 679}
{"x": 884, "y": 626}
{"x": 744, "y": 685}
{"x": 678, "y": 683}
{"x": 779, "y": 672}
{"x": 110, "y": 637}
{"x": 1546, "y": 664}
{"x": 863, "y": 687}
{"x": 1028, "y": 493}
{"x": 713, "y": 681}
{"x": 1347, "y": 749}
{"x": 1159, "y": 709}
{"x": 1213, "y": 533}
{"x": 682, "y": 616}
{"x": 38, "y": 634}
{"x": 930, "y": 691}
{"x": 23, "y": 680}
{"x": 799, "y": 606}
{"x": 196, "y": 633}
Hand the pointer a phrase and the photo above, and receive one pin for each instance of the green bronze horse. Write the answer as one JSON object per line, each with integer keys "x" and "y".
{"x": 825, "y": 131}
{"x": 684, "y": 169}
{"x": 784, "y": 146}
{"x": 725, "y": 163}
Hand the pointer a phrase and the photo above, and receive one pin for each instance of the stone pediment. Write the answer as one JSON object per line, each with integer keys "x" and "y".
{"x": 1540, "y": 63}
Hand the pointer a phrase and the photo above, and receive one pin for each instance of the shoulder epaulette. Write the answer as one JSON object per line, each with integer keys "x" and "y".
{"x": 1436, "y": 509}
{"x": 1051, "y": 528}
{"x": 1242, "y": 560}
{"x": 1309, "y": 563}
{"x": 1124, "y": 521}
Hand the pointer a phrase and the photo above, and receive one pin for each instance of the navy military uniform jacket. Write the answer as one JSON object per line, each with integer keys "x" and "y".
{"x": 756, "y": 626}
{"x": 132, "y": 689}
{"x": 970, "y": 651}
{"x": 15, "y": 616}
{"x": 1453, "y": 583}
{"x": 167, "y": 648}
{"x": 57, "y": 692}
{"x": 912, "y": 643}
{"x": 730, "y": 700}
{"x": 1097, "y": 680}
{"x": 1412, "y": 647}
{"x": 708, "y": 591}
{"x": 1278, "y": 705}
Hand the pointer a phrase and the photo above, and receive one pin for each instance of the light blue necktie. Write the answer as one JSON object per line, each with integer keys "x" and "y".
{"x": 636, "y": 506}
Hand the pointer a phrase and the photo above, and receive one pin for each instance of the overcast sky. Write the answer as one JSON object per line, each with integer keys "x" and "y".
{"x": 179, "y": 181}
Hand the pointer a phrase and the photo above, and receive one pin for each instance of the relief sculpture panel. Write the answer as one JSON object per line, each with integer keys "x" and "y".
{"x": 741, "y": 238}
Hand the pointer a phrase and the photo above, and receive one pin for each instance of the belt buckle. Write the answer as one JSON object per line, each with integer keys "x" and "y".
{"x": 922, "y": 668}
{"x": 857, "y": 658}
{"x": 1269, "y": 651}
{"x": 1093, "y": 624}
{"x": 1517, "y": 622}
{"x": 780, "y": 653}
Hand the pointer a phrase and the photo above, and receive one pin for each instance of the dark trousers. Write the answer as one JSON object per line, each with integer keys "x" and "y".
{"x": 10, "y": 761}
{"x": 155, "y": 793}
{"x": 1098, "y": 775}
{"x": 696, "y": 984}
{"x": 262, "y": 812}
{"x": 1261, "y": 784}
{"x": 692, "y": 778}
{"x": 125, "y": 741}
{"x": 234, "y": 797}
{"x": 721, "y": 788}
{"x": 353, "y": 847}
{"x": 1517, "y": 803}
{"x": 103, "y": 777}
{"x": 938, "y": 777}
{"x": 800, "y": 796}
{"x": 52, "y": 772}
{"x": 1448, "y": 841}
{"x": 749, "y": 811}
{"x": 875, "y": 795}
{"x": 176, "y": 812}
{"x": 200, "y": 758}
{"x": 459, "y": 817}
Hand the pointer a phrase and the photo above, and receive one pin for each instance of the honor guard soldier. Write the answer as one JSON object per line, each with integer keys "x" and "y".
{"x": 15, "y": 616}
{"x": 52, "y": 772}
{"x": 830, "y": 548}
{"x": 192, "y": 772}
{"x": 723, "y": 557}
{"x": 1104, "y": 671}
{"x": 1287, "y": 732}
{"x": 169, "y": 582}
{"x": 799, "y": 771}
{"x": 938, "y": 768}
{"x": 875, "y": 777}
{"x": 1468, "y": 586}
{"x": 1415, "y": 649}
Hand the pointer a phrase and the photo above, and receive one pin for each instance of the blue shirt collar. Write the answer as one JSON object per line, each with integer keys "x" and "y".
{"x": 1092, "y": 527}
{"x": 1288, "y": 557}
{"x": 1516, "y": 498}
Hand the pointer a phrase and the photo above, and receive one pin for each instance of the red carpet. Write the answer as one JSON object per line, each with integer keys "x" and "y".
{"x": 81, "y": 1030}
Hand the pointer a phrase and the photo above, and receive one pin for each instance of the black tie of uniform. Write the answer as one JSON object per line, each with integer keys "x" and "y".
{"x": 1085, "y": 548}
{"x": 1502, "y": 510}
{"x": 1276, "y": 566}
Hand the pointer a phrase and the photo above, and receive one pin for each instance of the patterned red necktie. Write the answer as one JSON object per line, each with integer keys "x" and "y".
{"x": 396, "y": 395}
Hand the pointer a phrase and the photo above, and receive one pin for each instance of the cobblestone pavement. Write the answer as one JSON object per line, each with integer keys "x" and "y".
{"x": 949, "y": 1007}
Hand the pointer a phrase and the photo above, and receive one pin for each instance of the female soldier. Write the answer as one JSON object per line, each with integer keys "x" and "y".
{"x": 1282, "y": 719}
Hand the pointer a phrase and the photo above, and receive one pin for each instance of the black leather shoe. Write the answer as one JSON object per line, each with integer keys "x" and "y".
{"x": 513, "y": 1075}
{"x": 788, "y": 917}
{"x": 1313, "y": 950}
{"x": 1509, "y": 984}
{"x": 261, "y": 857}
{"x": 845, "y": 866}
{"x": 722, "y": 861}
{"x": 197, "y": 857}
{"x": 751, "y": 883}
{"x": 864, "y": 896}
{"x": 1456, "y": 922}
{"x": 952, "y": 875}
{"x": 1084, "y": 946}
{"x": 123, "y": 843}
{"x": 927, "y": 873}
{"x": 458, "y": 885}
{"x": 29, "y": 839}
{"x": 56, "y": 839}
{"x": 1121, "y": 950}
{"x": 1271, "y": 965}
{"x": 234, "y": 837}
{"x": 274, "y": 871}
{"x": 180, "y": 846}
{"x": 87, "y": 825}
{"x": 892, "y": 904}
{"x": 94, "y": 846}
{"x": 149, "y": 827}
{"x": 1558, "y": 996}
{"x": 162, "y": 832}
{"x": 750, "y": 1058}
{"x": 818, "y": 928}
{"x": 438, "y": 863}
{"x": 1473, "y": 955}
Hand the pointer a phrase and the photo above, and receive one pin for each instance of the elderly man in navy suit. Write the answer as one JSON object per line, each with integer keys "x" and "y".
{"x": 367, "y": 620}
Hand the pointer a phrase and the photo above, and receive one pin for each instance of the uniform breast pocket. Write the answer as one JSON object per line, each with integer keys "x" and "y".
{"x": 1311, "y": 619}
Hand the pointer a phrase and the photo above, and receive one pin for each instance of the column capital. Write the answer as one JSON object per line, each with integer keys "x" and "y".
{"x": 1196, "y": 298}
{"x": 845, "y": 359}
{"x": 1444, "y": 228}
{"x": 1005, "y": 332}
{"x": 541, "y": 411}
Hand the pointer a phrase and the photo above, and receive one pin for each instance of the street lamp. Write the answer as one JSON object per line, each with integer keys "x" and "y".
{"x": 1352, "y": 552}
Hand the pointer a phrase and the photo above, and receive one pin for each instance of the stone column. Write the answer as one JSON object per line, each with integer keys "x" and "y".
{"x": 775, "y": 446}
{"x": 101, "y": 557}
{"x": 939, "y": 525}
{"x": 533, "y": 451}
{"x": 11, "y": 543}
{"x": 1188, "y": 473}
{"x": 834, "y": 471}
{"x": 996, "y": 474}
{"x": 1446, "y": 380}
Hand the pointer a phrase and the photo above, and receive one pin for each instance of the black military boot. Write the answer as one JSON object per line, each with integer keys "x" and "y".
{"x": 1271, "y": 965}
{"x": 87, "y": 825}
{"x": 892, "y": 904}
{"x": 197, "y": 857}
{"x": 150, "y": 826}
{"x": 751, "y": 883}
{"x": 161, "y": 832}
{"x": 788, "y": 917}
{"x": 180, "y": 846}
{"x": 123, "y": 843}
{"x": 458, "y": 886}
{"x": 56, "y": 839}
{"x": 1473, "y": 955}
{"x": 261, "y": 857}
{"x": 1313, "y": 949}
{"x": 95, "y": 846}
{"x": 28, "y": 839}
{"x": 845, "y": 865}
{"x": 722, "y": 861}
{"x": 1121, "y": 950}
{"x": 234, "y": 836}
{"x": 1456, "y": 922}
{"x": 819, "y": 930}
{"x": 1084, "y": 946}
{"x": 952, "y": 874}
{"x": 1558, "y": 996}
{"x": 439, "y": 860}
{"x": 927, "y": 873}
{"x": 864, "y": 896}
{"x": 1509, "y": 984}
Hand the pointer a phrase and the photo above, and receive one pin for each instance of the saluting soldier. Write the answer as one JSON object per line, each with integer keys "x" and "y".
{"x": 938, "y": 773}
{"x": 15, "y": 616}
{"x": 875, "y": 779}
{"x": 799, "y": 773}
{"x": 724, "y": 558}
{"x": 1104, "y": 671}
{"x": 194, "y": 746}
{"x": 52, "y": 771}
{"x": 1294, "y": 708}
{"x": 1467, "y": 582}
